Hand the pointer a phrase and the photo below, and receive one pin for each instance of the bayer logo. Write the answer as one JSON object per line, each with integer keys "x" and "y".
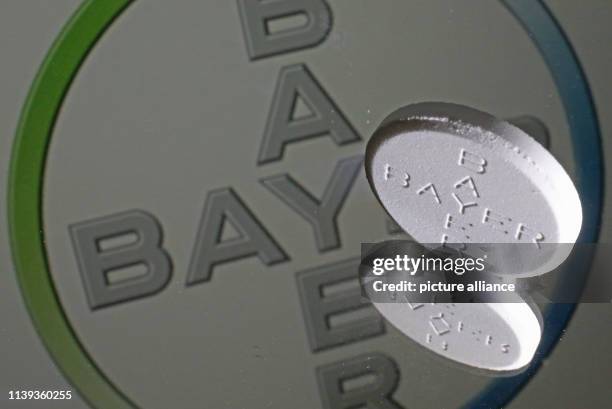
{"x": 196, "y": 171}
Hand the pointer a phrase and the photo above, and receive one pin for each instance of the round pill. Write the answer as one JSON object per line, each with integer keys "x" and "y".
{"x": 447, "y": 173}
{"x": 495, "y": 333}
{"x": 499, "y": 338}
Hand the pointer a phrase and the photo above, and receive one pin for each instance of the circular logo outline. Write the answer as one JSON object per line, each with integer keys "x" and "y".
{"x": 34, "y": 132}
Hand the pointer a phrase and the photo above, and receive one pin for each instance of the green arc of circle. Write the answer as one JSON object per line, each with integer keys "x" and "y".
{"x": 28, "y": 159}
{"x": 25, "y": 190}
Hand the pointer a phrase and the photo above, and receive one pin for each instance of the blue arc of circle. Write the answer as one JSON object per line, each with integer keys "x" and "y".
{"x": 579, "y": 108}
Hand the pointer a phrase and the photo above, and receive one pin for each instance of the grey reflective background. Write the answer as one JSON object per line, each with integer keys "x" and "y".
{"x": 167, "y": 92}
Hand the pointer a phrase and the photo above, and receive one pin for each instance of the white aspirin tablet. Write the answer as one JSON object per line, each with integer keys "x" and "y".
{"x": 448, "y": 173}
{"x": 499, "y": 338}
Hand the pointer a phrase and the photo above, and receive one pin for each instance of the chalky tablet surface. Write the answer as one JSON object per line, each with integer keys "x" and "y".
{"x": 494, "y": 337}
{"x": 499, "y": 336}
{"x": 447, "y": 173}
